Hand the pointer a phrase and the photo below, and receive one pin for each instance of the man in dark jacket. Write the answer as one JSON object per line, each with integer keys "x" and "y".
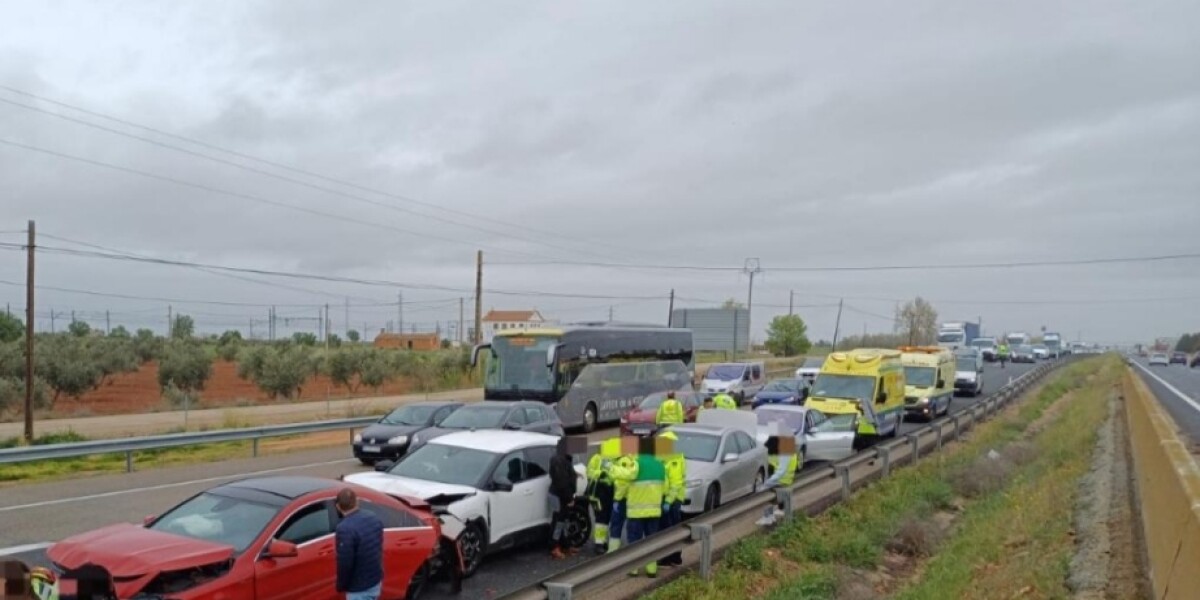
{"x": 359, "y": 539}
{"x": 562, "y": 494}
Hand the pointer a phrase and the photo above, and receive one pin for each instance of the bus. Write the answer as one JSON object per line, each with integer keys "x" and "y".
{"x": 592, "y": 373}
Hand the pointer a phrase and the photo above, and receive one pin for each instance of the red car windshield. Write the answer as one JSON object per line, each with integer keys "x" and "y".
{"x": 214, "y": 518}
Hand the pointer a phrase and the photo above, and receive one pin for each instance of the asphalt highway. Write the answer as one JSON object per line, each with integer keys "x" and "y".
{"x": 1178, "y": 389}
{"x": 33, "y": 516}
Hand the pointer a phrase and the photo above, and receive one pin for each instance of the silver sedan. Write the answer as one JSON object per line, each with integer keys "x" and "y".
{"x": 723, "y": 464}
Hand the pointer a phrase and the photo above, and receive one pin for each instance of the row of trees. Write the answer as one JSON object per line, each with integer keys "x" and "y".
{"x": 916, "y": 323}
{"x": 1188, "y": 342}
{"x": 80, "y": 360}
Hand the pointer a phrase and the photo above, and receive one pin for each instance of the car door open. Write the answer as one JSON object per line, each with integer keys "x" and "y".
{"x": 829, "y": 438}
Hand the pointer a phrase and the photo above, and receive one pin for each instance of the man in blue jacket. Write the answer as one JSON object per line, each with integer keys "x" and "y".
{"x": 359, "y": 538}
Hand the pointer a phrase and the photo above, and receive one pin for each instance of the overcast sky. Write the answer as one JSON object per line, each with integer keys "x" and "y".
{"x": 662, "y": 133}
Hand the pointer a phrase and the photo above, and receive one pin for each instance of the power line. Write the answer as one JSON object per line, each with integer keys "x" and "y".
{"x": 310, "y": 276}
{"x": 252, "y": 198}
{"x": 277, "y": 165}
{"x": 217, "y": 273}
{"x": 917, "y": 267}
{"x": 869, "y": 314}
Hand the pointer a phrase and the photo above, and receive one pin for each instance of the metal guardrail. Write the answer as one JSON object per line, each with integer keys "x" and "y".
{"x": 832, "y": 483}
{"x": 128, "y": 446}
{"x": 174, "y": 440}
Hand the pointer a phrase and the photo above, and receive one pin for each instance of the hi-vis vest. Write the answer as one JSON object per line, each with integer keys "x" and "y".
{"x": 676, "y": 467}
{"x": 646, "y": 493}
{"x": 669, "y": 412}
{"x": 790, "y": 475}
{"x": 725, "y": 401}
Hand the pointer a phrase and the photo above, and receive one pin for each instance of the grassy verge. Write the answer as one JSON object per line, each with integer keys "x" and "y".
{"x": 837, "y": 554}
{"x": 1018, "y": 542}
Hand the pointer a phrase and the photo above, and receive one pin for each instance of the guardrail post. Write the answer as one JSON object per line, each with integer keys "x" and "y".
{"x": 915, "y": 440}
{"x": 558, "y": 591}
{"x": 884, "y": 454}
{"x": 702, "y": 532}
{"x": 957, "y": 426}
{"x": 129, "y": 461}
{"x": 843, "y": 473}
{"x": 783, "y": 496}
{"x": 254, "y": 443}
{"x": 937, "y": 428}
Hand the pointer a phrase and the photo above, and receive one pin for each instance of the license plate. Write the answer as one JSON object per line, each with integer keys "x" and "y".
{"x": 374, "y": 449}
{"x": 641, "y": 431}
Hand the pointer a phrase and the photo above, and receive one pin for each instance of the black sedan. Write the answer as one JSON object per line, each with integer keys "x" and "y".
{"x": 520, "y": 415}
{"x": 390, "y": 437}
{"x": 1179, "y": 358}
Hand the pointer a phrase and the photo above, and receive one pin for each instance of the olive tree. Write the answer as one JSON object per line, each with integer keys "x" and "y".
{"x": 183, "y": 370}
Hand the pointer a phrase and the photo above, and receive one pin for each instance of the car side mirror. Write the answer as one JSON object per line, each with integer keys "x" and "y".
{"x": 148, "y": 520}
{"x": 502, "y": 486}
{"x": 280, "y": 549}
{"x": 881, "y": 398}
{"x": 941, "y": 383}
{"x": 730, "y": 457}
{"x": 384, "y": 465}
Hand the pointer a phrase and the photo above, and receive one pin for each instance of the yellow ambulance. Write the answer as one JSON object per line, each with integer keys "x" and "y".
{"x": 864, "y": 388}
{"x": 929, "y": 373}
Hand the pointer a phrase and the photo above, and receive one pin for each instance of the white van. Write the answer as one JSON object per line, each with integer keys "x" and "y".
{"x": 740, "y": 380}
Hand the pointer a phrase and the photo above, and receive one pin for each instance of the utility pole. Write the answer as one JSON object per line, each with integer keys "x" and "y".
{"x": 837, "y": 326}
{"x": 610, "y": 311}
{"x": 29, "y": 251}
{"x": 478, "y": 296}
{"x": 251, "y": 327}
{"x": 327, "y": 336}
{"x": 671, "y": 309}
{"x": 107, "y": 324}
{"x": 52, "y": 320}
{"x": 347, "y": 332}
{"x": 399, "y": 312}
{"x": 752, "y": 268}
{"x": 170, "y": 322}
{"x": 271, "y": 327}
{"x": 460, "y": 321}
{"x": 72, "y": 316}
{"x": 791, "y": 301}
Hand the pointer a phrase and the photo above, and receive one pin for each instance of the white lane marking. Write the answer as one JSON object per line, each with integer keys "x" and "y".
{"x": 165, "y": 486}
{"x": 1173, "y": 389}
{"x": 25, "y": 548}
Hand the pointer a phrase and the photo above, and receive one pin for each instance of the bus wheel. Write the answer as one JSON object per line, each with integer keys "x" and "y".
{"x": 589, "y": 418}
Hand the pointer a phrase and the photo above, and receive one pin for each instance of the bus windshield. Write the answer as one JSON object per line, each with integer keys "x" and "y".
{"x": 519, "y": 363}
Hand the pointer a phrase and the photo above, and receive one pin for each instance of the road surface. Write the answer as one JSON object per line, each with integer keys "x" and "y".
{"x": 34, "y": 515}
{"x": 1178, "y": 389}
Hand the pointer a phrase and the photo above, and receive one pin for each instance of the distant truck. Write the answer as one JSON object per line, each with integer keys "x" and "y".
{"x": 1054, "y": 345}
{"x": 1016, "y": 339}
{"x": 957, "y": 334}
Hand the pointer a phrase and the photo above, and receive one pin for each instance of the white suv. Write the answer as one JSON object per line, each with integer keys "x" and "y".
{"x": 494, "y": 486}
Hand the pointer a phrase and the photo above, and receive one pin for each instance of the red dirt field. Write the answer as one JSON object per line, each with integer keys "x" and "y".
{"x": 138, "y": 392}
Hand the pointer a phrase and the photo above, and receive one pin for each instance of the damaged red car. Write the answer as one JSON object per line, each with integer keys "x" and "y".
{"x": 269, "y": 538}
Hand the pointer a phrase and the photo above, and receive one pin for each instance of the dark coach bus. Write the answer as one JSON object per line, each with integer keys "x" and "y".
{"x": 592, "y": 373}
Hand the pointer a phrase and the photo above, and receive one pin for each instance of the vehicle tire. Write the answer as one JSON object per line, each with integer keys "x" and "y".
{"x": 712, "y": 500}
{"x": 367, "y": 462}
{"x": 578, "y": 525}
{"x": 740, "y": 397}
{"x": 800, "y": 459}
{"x": 589, "y": 418}
{"x": 759, "y": 479}
{"x": 418, "y": 582}
{"x": 473, "y": 545}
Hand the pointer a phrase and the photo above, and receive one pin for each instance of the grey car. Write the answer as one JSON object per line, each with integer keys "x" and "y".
{"x": 521, "y": 415}
{"x": 723, "y": 464}
{"x": 389, "y": 438}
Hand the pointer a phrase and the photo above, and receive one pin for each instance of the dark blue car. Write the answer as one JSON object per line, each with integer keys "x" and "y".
{"x": 782, "y": 391}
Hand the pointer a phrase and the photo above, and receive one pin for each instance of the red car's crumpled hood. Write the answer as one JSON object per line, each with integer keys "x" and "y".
{"x": 128, "y": 550}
